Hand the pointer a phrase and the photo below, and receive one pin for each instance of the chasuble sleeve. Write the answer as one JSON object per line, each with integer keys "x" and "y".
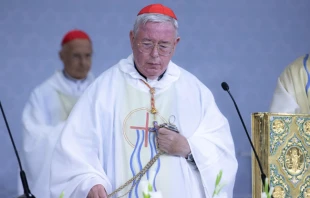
{"x": 213, "y": 148}
{"x": 283, "y": 101}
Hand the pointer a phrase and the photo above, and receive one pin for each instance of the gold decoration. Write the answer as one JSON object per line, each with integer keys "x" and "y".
{"x": 278, "y": 181}
{"x": 153, "y": 111}
{"x": 294, "y": 161}
{"x": 307, "y": 127}
{"x": 305, "y": 188}
{"x": 278, "y": 132}
{"x": 152, "y": 91}
{"x": 307, "y": 193}
{"x": 304, "y": 128}
{"x": 282, "y": 142}
{"x": 278, "y": 126}
{"x": 278, "y": 192}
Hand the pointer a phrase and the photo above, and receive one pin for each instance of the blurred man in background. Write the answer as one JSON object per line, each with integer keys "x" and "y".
{"x": 292, "y": 92}
{"x": 49, "y": 106}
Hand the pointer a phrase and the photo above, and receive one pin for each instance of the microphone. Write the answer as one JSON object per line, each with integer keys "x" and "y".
{"x": 263, "y": 175}
{"x": 27, "y": 193}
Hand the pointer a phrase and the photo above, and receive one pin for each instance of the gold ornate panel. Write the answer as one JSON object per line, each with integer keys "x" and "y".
{"x": 282, "y": 142}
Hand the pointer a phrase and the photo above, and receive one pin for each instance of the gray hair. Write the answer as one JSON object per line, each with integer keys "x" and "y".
{"x": 156, "y": 18}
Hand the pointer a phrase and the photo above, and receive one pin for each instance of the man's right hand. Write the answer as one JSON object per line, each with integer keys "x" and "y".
{"x": 97, "y": 191}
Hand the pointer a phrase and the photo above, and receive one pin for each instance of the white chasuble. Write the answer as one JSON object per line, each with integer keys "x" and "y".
{"x": 107, "y": 140}
{"x": 43, "y": 119}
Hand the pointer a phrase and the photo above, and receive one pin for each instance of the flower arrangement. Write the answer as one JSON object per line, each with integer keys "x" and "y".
{"x": 267, "y": 194}
{"x": 149, "y": 193}
{"x": 147, "y": 188}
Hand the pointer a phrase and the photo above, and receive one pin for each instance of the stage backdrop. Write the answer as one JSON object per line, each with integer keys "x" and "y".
{"x": 245, "y": 43}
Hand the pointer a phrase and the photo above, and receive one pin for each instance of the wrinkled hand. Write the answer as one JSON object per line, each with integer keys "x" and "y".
{"x": 97, "y": 191}
{"x": 172, "y": 143}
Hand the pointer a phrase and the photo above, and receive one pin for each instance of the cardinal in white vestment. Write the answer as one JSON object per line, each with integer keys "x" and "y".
{"x": 49, "y": 106}
{"x": 116, "y": 128}
{"x": 292, "y": 91}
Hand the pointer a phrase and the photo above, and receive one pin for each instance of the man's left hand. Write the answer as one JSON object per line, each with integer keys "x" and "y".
{"x": 172, "y": 143}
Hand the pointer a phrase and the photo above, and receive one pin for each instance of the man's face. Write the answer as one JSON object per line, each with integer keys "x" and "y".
{"x": 76, "y": 57}
{"x": 153, "y": 64}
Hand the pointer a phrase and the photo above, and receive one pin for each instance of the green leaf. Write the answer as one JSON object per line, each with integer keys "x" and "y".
{"x": 218, "y": 177}
{"x": 150, "y": 188}
{"x": 218, "y": 186}
{"x": 146, "y": 195}
{"x": 62, "y": 195}
{"x": 266, "y": 188}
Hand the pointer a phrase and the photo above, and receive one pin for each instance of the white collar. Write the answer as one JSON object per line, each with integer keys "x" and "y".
{"x": 172, "y": 73}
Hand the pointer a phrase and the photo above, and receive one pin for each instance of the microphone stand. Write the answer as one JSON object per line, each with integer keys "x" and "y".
{"x": 27, "y": 193}
{"x": 263, "y": 175}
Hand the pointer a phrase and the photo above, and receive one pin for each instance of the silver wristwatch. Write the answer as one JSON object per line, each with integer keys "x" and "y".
{"x": 190, "y": 157}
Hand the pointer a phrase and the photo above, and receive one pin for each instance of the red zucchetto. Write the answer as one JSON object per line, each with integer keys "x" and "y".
{"x": 157, "y": 9}
{"x": 74, "y": 34}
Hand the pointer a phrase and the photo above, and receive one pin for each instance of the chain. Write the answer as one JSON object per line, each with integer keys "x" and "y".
{"x": 138, "y": 176}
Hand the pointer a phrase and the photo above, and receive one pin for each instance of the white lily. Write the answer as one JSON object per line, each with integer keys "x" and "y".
{"x": 147, "y": 187}
{"x": 144, "y": 185}
{"x": 267, "y": 194}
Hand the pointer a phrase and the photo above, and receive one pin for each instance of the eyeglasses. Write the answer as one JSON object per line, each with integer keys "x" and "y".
{"x": 163, "y": 49}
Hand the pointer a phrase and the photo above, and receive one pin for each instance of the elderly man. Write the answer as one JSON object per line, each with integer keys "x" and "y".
{"x": 49, "y": 106}
{"x": 292, "y": 92}
{"x": 145, "y": 111}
